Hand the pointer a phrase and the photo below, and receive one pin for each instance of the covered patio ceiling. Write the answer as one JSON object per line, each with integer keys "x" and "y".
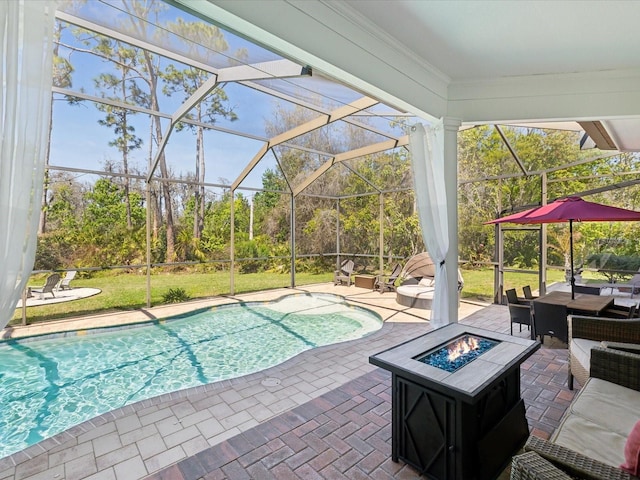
{"x": 476, "y": 61}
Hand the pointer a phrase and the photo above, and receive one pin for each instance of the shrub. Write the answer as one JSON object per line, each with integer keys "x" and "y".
{"x": 175, "y": 295}
{"x": 614, "y": 266}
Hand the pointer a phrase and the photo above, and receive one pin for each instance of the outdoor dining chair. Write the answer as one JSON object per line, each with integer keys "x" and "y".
{"x": 519, "y": 312}
{"x": 527, "y": 292}
{"x": 550, "y": 319}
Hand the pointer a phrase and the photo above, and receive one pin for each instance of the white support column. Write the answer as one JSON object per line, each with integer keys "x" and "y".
{"x": 451, "y": 126}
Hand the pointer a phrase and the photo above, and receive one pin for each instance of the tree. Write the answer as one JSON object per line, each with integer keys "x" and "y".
{"x": 270, "y": 207}
{"x": 103, "y": 232}
{"x": 187, "y": 81}
{"x": 149, "y": 74}
{"x": 58, "y": 245}
{"x": 125, "y": 89}
{"x": 217, "y": 227}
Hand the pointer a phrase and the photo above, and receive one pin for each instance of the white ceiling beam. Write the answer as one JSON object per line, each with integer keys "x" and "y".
{"x": 625, "y": 133}
{"x": 599, "y": 135}
{"x": 557, "y": 97}
{"x": 325, "y": 36}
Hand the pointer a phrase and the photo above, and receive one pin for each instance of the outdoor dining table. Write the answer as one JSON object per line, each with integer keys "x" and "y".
{"x": 582, "y": 303}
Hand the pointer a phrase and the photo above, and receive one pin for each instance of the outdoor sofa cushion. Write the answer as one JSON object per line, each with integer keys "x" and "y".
{"x": 580, "y": 348}
{"x": 600, "y": 419}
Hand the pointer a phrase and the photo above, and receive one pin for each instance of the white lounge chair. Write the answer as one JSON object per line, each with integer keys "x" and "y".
{"x": 66, "y": 281}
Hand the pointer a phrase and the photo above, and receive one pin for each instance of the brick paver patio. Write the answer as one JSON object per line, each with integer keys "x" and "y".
{"x": 323, "y": 414}
{"x": 346, "y": 433}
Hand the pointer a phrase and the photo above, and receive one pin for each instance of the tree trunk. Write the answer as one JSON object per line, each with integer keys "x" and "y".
{"x": 125, "y": 159}
{"x": 164, "y": 173}
{"x": 196, "y": 203}
{"x": 201, "y": 168}
{"x": 42, "y": 224}
{"x": 157, "y": 213}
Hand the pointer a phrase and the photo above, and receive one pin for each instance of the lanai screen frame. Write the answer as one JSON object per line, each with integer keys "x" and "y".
{"x": 283, "y": 68}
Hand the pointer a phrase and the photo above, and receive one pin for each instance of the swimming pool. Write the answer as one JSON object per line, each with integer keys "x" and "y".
{"x": 48, "y": 385}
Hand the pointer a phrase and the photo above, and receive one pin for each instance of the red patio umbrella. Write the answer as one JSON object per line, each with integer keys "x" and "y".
{"x": 567, "y": 210}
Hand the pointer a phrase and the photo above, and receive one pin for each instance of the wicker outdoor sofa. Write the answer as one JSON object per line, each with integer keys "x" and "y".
{"x": 590, "y": 441}
{"x": 588, "y": 332}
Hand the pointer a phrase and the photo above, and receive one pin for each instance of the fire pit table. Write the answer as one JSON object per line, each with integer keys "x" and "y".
{"x": 460, "y": 418}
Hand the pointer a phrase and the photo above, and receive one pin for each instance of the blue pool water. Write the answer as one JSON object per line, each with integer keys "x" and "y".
{"x": 49, "y": 385}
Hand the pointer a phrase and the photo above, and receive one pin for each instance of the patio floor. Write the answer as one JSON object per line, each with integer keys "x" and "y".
{"x": 323, "y": 414}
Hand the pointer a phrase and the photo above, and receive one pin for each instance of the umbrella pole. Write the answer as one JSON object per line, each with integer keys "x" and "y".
{"x": 573, "y": 278}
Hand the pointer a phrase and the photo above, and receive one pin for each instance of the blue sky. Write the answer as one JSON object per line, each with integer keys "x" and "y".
{"x": 79, "y": 141}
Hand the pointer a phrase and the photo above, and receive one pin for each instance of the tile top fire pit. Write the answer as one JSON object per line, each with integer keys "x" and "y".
{"x": 456, "y": 406}
{"x": 468, "y": 380}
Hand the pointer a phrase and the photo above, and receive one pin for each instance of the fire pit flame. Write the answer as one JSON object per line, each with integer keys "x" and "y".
{"x": 462, "y": 347}
{"x": 458, "y": 352}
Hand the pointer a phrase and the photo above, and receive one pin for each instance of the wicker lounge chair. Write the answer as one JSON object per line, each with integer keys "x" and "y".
{"x": 614, "y": 369}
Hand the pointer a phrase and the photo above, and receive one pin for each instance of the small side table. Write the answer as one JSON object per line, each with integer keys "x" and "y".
{"x": 365, "y": 281}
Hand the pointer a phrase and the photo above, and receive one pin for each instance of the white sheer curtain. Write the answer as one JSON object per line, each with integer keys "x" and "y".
{"x": 26, "y": 34}
{"x": 427, "y": 159}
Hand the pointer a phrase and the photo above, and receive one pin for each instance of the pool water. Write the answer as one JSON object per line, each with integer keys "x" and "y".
{"x": 50, "y": 385}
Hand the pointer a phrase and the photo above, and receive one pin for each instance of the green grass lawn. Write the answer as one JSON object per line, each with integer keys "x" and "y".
{"x": 478, "y": 284}
{"x": 127, "y": 291}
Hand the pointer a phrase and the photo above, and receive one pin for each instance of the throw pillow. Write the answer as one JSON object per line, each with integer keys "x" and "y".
{"x": 632, "y": 451}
